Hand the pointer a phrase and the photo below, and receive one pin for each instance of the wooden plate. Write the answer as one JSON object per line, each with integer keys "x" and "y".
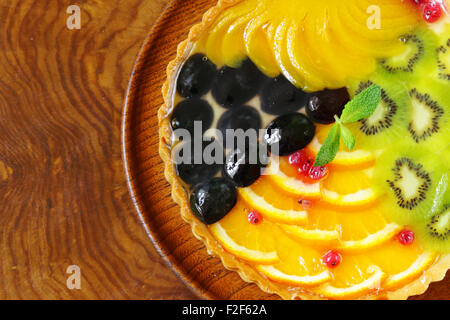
{"x": 145, "y": 170}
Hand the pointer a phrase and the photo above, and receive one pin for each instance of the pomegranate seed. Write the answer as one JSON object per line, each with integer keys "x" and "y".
{"x": 318, "y": 173}
{"x": 305, "y": 167}
{"x": 432, "y": 11}
{"x": 298, "y": 158}
{"x": 406, "y": 237}
{"x": 254, "y": 217}
{"x": 332, "y": 259}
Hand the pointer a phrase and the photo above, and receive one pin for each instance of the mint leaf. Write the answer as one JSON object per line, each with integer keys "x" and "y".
{"x": 348, "y": 138}
{"x": 330, "y": 147}
{"x": 362, "y": 105}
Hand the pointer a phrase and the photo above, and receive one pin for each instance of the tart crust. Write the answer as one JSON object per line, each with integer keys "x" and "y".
{"x": 436, "y": 272}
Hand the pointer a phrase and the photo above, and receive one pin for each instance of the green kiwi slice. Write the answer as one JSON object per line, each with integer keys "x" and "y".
{"x": 443, "y": 60}
{"x": 386, "y": 124}
{"x": 413, "y": 182}
{"x": 406, "y": 61}
{"x": 425, "y": 116}
{"x": 429, "y": 113}
{"x": 417, "y": 57}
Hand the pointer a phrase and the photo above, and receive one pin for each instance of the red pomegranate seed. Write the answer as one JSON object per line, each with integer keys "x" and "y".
{"x": 254, "y": 217}
{"x": 305, "y": 166}
{"x": 318, "y": 173}
{"x": 419, "y": 2}
{"x": 432, "y": 11}
{"x": 406, "y": 237}
{"x": 332, "y": 259}
{"x": 298, "y": 158}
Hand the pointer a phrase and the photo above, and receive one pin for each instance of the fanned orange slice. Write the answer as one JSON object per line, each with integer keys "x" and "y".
{"x": 291, "y": 184}
{"x": 243, "y": 239}
{"x": 413, "y": 272}
{"x": 241, "y": 251}
{"x": 372, "y": 284}
{"x": 346, "y": 159}
{"x": 276, "y": 275}
{"x": 370, "y": 241}
{"x": 270, "y": 212}
{"x": 349, "y": 188}
{"x": 316, "y": 236}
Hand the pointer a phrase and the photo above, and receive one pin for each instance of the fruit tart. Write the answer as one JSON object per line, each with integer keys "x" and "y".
{"x": 307, "y": 143}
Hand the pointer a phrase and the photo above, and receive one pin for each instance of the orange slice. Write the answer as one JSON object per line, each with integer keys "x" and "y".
{"x": 244, "y": 240}
{"x": 284, "y": 177}
{"x": 348, "y": 188}
{"x": 372, "y": 240}
{"x": 276, "y": 275}
{"x": 346, "y": 159}
{"x": 422, "y": 263}
{"x": 258, "y": 203}
{"x": 372, "y": 284}
{"x": 316, "y": 236}
{"x": 297, "y": 265}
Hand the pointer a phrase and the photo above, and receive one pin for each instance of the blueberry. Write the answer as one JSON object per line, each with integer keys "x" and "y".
{"x": 323, "y": 105}
{"x": 244, "y": 168}
{"x": 236, "y": 86}
{"x": 213, "y": 200}
{"x": 289, "y": 133}
{"x": 196, "y": 76}
{"x": 189, "y": 111}
{"x": 191, "y": 172}
{"x": 279, "y": 96}
{"x": 244, "y": 118}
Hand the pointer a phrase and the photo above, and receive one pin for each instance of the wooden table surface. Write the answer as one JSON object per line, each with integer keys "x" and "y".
{"x": 63, "y": 193}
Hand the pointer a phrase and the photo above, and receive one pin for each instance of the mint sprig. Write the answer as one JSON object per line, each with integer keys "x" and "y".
{"x": 362, "y": 106}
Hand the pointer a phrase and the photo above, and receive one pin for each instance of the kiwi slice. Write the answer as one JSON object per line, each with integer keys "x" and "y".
{"x": 429, "y": 114}
{"x": 386, "y": 124}
{"x": 435, "y": 233}
{"x": 443, "y": 60}
{"x": 405, "y": 62}
{"x": 419, "y": 54}
{"x": 413, "y": 182}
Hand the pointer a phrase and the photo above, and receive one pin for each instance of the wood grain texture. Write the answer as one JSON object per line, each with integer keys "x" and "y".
{"x": 150, "y": 189}
{"x": 63, "y": 193}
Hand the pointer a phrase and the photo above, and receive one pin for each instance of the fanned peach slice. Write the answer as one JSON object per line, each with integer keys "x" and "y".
{"x": 270, "y": 212}
{"x": 373, "y": 240}
{"x": 279, "y": 48}
{"x": 290, "y": 184}
{"x": 214, "y": 40}
{"x": 276, "y": 275}
{"x": 346, "y": 159}
{"x": 243, "y": 239}
{"x": 233, "y": 47}
{"x": 422, "y": 263}
{"x": 257, "y": 47}
{"x": 301, "y": 59}
{"x": 372, "y": 284}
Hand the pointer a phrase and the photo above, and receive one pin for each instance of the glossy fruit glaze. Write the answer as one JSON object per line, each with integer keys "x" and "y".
{"x": 323, "y": 231}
